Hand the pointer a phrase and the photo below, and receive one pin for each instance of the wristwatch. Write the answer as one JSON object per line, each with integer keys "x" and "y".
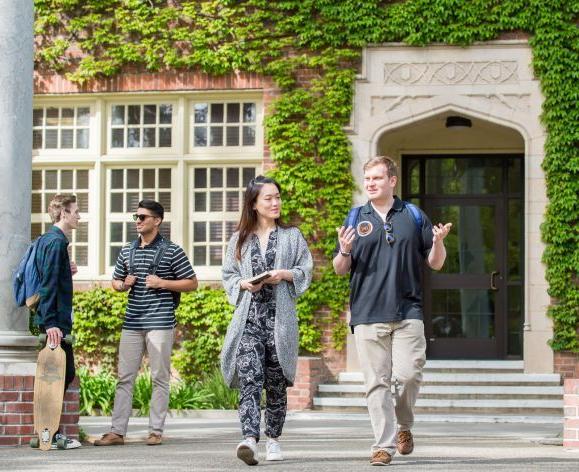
{"x": 345, "y": 254}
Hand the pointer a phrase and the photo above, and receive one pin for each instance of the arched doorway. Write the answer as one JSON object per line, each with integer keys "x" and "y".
{"x": 473, "y": 177}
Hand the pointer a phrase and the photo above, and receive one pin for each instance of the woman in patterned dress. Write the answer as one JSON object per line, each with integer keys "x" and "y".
{"x": 261, "y": 345}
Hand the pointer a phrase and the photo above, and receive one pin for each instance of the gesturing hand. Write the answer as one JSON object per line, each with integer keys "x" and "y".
{"x": 440, "y": 231}
{"x": 346, "y": 237}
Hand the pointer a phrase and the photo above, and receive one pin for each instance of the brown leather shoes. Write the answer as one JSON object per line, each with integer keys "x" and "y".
{"x": 404, "y": 442}
{"x": 110, "y": 439}
{"x": 380, "y": 458}
{"x": 154, "y": 439}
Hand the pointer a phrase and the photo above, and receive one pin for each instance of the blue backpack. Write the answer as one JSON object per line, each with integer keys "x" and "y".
{"x": 416, "y": 216}
{"x": 26, "y": 279}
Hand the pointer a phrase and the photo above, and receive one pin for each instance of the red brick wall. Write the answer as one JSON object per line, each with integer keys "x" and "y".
{"x": 16, "y": 410}
{"x": 567, "y": 364}
{"x": 310, "y": 373}
{"x": 135, "y": 81}
{"x": 571, "y": 404}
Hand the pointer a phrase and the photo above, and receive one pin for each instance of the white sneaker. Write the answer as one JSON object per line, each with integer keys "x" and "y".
{"x": 68, "y": 442}
{"x": 273, "y": 450}
{"x": 247, "y": 451}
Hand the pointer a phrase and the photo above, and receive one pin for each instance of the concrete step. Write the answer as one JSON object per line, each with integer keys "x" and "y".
{"x": 444, "y": 378}
{"x": 448, "y": 406}
{"x": 473, "y": 365}
{"x": 454, "y": 391}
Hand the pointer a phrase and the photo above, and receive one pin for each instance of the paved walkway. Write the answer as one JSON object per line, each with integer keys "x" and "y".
{"x": 311, "y": 442}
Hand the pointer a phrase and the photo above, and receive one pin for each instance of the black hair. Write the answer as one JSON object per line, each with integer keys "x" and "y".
{"x": 248, "y": 220}
{"x": 153, "y": 206}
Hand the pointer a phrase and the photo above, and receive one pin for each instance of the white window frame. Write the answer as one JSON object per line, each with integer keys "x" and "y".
{"x": 44, "y": 219}
{"x": 209, "y": 272}
{"x": 224, "y": 150}
{"x": 126, "y": 217}
{"x": 125, "y": 150}
{"x": 67, "y": 152}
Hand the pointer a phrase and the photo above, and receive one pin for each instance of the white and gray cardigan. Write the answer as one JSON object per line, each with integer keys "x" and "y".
{"x": 292, "y": 254}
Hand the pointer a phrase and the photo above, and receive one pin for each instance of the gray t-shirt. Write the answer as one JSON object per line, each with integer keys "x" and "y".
{"x": 386, "y": 279}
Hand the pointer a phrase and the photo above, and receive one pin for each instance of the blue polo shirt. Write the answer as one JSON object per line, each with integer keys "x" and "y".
{"x": 386, "y": 279}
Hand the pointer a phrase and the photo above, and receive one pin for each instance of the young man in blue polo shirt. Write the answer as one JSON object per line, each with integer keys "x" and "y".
{"x": 384, "y": 250}
{"x": 54, "y": 312}
{"x": 149, "y": 319}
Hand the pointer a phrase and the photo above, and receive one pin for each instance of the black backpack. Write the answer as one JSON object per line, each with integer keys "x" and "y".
{"x": 162, "y": 246}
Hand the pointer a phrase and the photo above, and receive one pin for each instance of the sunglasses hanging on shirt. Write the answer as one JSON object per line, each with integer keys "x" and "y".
{"x": 390, "y": 239}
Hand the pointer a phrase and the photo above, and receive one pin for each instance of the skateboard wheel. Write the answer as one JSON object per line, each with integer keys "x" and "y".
{"x": 34, "y": 443}
{"x": 61, "y": 443}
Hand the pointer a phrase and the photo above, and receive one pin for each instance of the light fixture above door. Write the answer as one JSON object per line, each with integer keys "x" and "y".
{"x": 458, "y": 122}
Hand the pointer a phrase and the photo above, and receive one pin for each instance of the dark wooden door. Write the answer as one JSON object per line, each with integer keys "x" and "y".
{"x": 473, "y": 306}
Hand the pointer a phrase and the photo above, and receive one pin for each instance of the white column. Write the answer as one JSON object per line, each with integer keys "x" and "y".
{"x": 16, "y": 69}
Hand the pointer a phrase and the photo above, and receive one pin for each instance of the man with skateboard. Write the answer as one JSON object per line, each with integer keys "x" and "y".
{"x": 54, "y": 312}
{"x": 384, "y": 246}
{"x": 154, "y": 271}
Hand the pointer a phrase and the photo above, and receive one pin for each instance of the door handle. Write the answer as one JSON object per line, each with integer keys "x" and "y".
{"x": 494, "y": 273}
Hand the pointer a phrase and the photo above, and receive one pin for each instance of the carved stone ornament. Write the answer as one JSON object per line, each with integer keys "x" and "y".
{"x": 451, "y": 73}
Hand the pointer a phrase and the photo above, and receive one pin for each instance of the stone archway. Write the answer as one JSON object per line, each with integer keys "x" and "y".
{"x": 490, "y": 83}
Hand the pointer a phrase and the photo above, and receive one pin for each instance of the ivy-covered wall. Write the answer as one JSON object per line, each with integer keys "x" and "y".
{"x": 88, "y": 39}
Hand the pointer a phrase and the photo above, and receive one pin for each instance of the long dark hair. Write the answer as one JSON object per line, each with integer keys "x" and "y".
{"x": 248, "y": 220}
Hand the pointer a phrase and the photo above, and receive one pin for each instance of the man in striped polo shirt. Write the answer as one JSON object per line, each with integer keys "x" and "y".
{"x": 153, "y": 270}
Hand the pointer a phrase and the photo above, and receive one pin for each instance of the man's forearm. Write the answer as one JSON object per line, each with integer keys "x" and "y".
{"x": 342, "y": 264}
{"x": 437, "y": 256}
{"x": 119, "y": 285}
{"x": 183, "y": 285}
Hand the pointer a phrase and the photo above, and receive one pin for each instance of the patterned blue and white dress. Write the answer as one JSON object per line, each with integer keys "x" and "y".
{"x": 257, "y": 362}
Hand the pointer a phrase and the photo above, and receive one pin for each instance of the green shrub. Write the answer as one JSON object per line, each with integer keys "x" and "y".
{"x": 98, "y": 318}
{"x": 142, "y": 393}
{"x": 97, "y": 391}
{"x": 202, "y": 319}
{"x": 189, "y": 397}
{"x": 221, "y": 397}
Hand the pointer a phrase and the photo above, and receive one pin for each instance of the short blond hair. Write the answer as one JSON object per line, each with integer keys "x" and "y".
{"x": 59, "y": 203}
{"x": 391, "y": 167}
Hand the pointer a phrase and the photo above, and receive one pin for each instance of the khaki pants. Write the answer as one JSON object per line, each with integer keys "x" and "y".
{"x": 388, "y": 351}
{"x": 159, "y": 344}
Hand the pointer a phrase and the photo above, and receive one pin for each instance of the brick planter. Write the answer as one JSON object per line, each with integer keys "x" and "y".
{"x": 310, "y": 373}
{"x": 566, "y": 363}
{"x": 16, "y": 410}
{"x": 571, "y": 404}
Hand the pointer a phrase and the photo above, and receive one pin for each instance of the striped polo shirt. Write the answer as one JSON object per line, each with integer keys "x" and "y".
{"x": 150, "y": 308}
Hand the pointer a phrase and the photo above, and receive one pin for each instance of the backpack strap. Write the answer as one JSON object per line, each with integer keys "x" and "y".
{"x": 353, "y": 216}
{"x": 416, "y": 215}
{"x": 132, "y": 251}
{"x": 161, "y": 249}
{"x": 34, "y": 254}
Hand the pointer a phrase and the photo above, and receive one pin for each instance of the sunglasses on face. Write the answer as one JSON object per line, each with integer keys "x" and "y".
{"x": 141, "y": 217}
{"x": 390, "y": 239}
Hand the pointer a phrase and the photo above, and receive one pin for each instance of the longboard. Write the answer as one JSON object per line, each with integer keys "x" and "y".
{"x": 48, "y": 394}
